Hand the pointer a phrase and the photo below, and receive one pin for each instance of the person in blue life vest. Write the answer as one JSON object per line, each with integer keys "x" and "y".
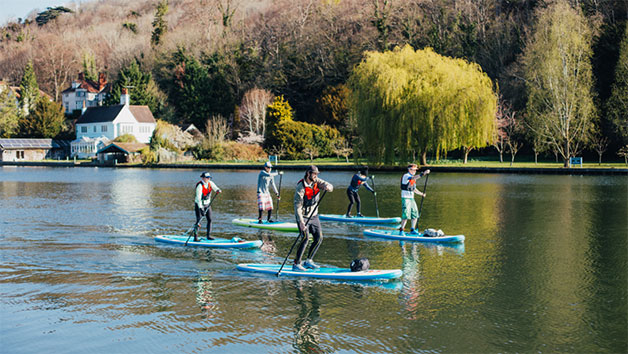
{"x": 306, "y": 197}
{"x": 264, "y": 200}
{"x": 409, "y": 209}
{"x": 358, "y": 180}
{"x": 201, "y": 203}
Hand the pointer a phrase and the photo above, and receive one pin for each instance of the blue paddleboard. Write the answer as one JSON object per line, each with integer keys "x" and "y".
{"x": 323, "y": 272}
{"x": 406, "y": 236}
{"x": 235, "y": 242}
{"x": 360, "y": 219}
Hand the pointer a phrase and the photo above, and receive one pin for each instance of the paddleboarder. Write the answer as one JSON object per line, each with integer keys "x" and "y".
{"x": 264, "y": 200}
{"x": 306, "y": 198}
{"x": 409, "y": 209}
{"x": 358, "y": 180}
{"x": 202, "y": 201}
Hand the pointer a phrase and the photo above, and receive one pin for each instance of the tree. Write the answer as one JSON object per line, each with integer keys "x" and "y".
{"x": 56, "y": 62}
{"x": 45, "y": 121}
{"x": 253, "y": 109}
{"x": 142, "y": 88}
{"x": 334, "y": 107}
{"x": 29, "y": 90}
{"x": 617, "y": 105}
{"x": 600, "y": 144}
{"x": 160, "y": 26}
{"x": 50, "y": 14}
{"x": 559, "y": 81}
{"x": 409, "y": 102}
{"x": 9, "y": 117}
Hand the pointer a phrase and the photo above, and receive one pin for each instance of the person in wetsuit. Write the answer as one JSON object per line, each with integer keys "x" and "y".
{"x": 202, "y": 200}
{"x": 306, "y": 197}
{"x": 358, "y": 180}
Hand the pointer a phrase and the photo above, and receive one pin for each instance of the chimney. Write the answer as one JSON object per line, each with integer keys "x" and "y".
{"x": 84, "y": 107}
{"x": 102, "y": 81}
{"x": 124, "y": 97}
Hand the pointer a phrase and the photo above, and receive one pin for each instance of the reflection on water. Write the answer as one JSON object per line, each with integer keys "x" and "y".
{"x": 543, "y": 267}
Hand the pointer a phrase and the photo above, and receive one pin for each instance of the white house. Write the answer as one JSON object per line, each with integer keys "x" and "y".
{"x": 99, "y": 125}
{"x": 85, "y": 91}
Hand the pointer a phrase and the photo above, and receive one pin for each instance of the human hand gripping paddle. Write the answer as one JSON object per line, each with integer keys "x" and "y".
{"x": 197, "y": 225}
{"x": 375, "y": 195}
{"x": 302, "y": 232}
{"x": 423, "y": 197}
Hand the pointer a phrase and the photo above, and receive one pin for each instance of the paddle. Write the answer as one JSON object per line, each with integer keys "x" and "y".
{"x": 423, "y": 197}
{"x": 196, "y": 225}
{"x": 375, "y": 195}
{"x": 278, "y": 196}
{"x": 301, "y": 232}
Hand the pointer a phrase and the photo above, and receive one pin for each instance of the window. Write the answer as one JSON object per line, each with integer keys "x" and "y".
{"x": 79, "y": 105}
{"x": 103, "y": 128}
{"x": 126, "y": 129}
{"x": 94, "y": 128}
{"x": 83, "y": 129}
{"x": 19, "y": 154}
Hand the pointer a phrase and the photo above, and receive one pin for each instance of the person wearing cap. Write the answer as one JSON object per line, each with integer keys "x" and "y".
{"x": 202, "y": 200}
{"x": 306, "y": 197}
{"x": 264, "y": 200}
{"x": 358, "y": 180}
{"x": 409, "y": 209}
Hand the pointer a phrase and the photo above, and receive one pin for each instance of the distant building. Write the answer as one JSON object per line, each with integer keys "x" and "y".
{"x": 99, "y": 125}
{"x": 85, "y": 92}
{"x": 191, "y": 129}
{"x": 33, "y": 149}
{"x": 121, "y": 152}
{"x": 16, "y": 92}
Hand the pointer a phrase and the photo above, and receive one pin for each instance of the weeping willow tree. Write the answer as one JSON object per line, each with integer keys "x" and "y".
{"x": 408, "y": 102}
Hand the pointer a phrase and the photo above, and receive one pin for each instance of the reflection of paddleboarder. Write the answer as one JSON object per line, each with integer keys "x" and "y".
{"x": 307, "y": 333}
{"x": 205, "y": 297}
{"x": 306, "y": 197}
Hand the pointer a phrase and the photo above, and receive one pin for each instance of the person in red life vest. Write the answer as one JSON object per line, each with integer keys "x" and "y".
{"x": 264, "y": 201}
{"x": 202, "y": 200}
{"x": 409, "y": 209}
{"x": 358, "y": 180}
{"x": 306, "y": 197}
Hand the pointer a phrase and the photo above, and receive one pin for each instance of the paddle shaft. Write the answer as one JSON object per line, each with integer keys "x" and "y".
{"x": 301, "y": 232}
{"x": 278, "y": 197}
{"x": 196, "y": 225}
{"x": 375, "y": 195}
{"x": 423, "y": 197}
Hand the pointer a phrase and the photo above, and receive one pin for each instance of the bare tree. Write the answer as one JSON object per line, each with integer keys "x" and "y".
{"x": 56, "y": 62}
{"x": 311, "y": 152}
{"x": 600, "y": 144}
{"x": 253, "y": 110}
{"x": 623, "y": 152}
{"x": 342, "y": 148}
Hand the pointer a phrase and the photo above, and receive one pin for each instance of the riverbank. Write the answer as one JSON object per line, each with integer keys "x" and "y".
{"x": 472, "y": 167}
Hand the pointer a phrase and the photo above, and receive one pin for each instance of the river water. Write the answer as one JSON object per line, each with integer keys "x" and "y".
{"x": 543, "y": 268}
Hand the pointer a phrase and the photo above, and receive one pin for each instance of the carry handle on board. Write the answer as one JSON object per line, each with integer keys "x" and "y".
{"x": 201, "y": 219}
{"x": 375, "y": 195}
{"x": 301, "y": 232}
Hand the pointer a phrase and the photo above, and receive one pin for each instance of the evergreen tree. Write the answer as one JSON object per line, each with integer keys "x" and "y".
{"x": 29, "y": 90}
{"x": 89, "y": 67}
{"x": 9, "y": 117}
{"x": 142, "y": 88}
{"x": 559, "y": 79}
{"x": 617, "y": 105}
{"x": 45, "y": 121}
{"x": 160, "y": 26}
{"x": 408, "y": 102}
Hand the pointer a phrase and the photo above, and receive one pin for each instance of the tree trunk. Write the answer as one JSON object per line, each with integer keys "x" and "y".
{"x": 501, "y": 157}
{"x": 567, "y": 154}
{"x": 424, "y": 158}
{"x": 599, "y": 162}
{"x": 536, "y": 158}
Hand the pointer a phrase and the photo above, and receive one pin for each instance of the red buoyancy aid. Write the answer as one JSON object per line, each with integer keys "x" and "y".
{"x": 410, "y": 186}
{"x": 310, "y": 193}
{"x": 206, "y": 190}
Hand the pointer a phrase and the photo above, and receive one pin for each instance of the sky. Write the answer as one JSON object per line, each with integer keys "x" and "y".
{"x": 14, "y": 9}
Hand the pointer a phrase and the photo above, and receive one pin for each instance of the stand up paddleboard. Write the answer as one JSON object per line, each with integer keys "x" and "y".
{"x": 360, "y": 219}
{"x": 278, "y": 226}
{"x": 323, "y": 272}
{"x": 404, "y": 236}
{"x": 235, "y": 242}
